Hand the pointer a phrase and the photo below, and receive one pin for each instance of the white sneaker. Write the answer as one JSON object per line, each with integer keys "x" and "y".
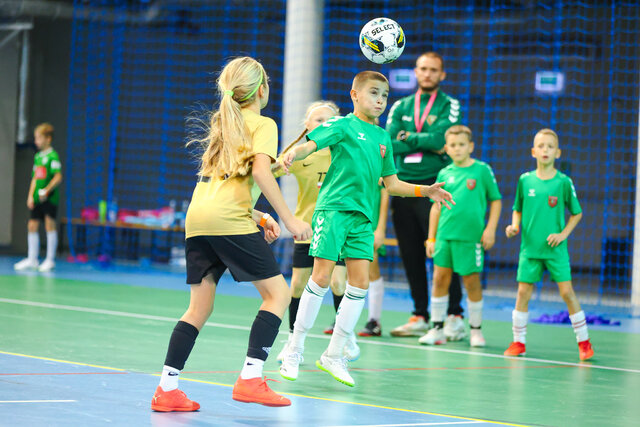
{"x": 435, "y": 336}
{"x": 26, "y": 264}
{"x": 284, "y": 350}
{"x": 477, "y": 339}
{"x": 336, "y": 367}
{"x": 454, "y": 328}
{"x": 415, "y": 327}
{"x": 351, "y": 349}
{"x": 47, "y": 265}
{"x": 290, "y": 364}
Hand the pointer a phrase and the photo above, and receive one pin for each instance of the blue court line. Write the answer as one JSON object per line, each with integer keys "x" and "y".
{"x": 124, "y": 400}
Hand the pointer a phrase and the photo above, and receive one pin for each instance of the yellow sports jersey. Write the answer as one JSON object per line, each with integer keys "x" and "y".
{"x": 222, "y": 207}
{"x": 310, "y": 173}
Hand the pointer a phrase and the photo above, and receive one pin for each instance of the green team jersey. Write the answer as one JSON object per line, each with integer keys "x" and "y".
{"x": 542, "y": 204}
{"x": 471, "y": 188}
{"x": 46, "y": 164}
{"x": 415, "y": 157}
{"x": 360, "y": 154}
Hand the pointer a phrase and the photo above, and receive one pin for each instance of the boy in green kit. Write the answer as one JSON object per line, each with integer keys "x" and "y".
{"x": 361, "y": 153}
{"x": 458, "y": 237}
{"x": 42, "y": 201}
{"x": 541, "y": 198}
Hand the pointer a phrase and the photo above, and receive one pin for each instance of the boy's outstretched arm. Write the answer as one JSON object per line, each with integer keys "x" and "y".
{"x": 434, "y": 218}
{"x": 489, "y": 235}
{"x": 298, "y": 153}
{"x": 435, "y": 192}
{"x": 557, "y": 238}
{"x": 514, "y": 228}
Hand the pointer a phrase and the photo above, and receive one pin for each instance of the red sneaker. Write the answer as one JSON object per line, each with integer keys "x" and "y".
{"x": 174, "y": 400}
{"x": 256, "y": 390}
{"x": 329, "y": 329}
{"x": 515, "y": 349}
{"x": 585, "y": 350}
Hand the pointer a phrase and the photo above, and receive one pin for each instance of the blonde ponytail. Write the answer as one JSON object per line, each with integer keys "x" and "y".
{"x": 228, "y": 147}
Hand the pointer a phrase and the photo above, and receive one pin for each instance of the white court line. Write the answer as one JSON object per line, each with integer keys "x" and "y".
{"x": 416, "y": 424}
{"x": 37, "y": 401}
{"x": 247, "y": 328}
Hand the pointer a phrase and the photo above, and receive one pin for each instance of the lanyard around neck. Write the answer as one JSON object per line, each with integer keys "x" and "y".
{"x": 420, "y": 122}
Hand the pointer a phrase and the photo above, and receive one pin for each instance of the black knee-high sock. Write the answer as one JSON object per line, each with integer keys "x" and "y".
{"x": 293, "y": 312}
{"x": 263, "y": 333}
{"x": 336, "y": 301}
{"x": 182, "y": 340}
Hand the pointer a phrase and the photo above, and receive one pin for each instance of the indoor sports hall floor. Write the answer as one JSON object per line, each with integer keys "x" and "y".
{"x": 83, "y": 346}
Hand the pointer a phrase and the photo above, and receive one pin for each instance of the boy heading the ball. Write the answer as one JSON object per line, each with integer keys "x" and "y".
{"x": 361, "y": 153}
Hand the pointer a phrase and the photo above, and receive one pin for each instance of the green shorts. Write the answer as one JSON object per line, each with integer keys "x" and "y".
{"x": 341, "y": 235}
{"x": 530, "y": 269}
{"x": 463, "y": 258}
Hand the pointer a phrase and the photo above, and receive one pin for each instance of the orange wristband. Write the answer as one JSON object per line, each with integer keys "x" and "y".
{"x": 431, "y": 240}
{"x": 263, "y": 220}
{"x": 416, "y": 190}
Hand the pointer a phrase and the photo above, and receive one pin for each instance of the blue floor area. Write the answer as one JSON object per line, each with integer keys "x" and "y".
{"x": 52, "y": 393}
{"x": 395, "y": 298}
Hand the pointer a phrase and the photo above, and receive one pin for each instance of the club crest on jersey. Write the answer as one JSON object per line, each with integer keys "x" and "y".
{"x": 431, "y": 118}
{"x": 41, "y": 172}
{"x": 471, "y": 184}
{"x": 553, "y": 201}
{"x": 383, "y": 150}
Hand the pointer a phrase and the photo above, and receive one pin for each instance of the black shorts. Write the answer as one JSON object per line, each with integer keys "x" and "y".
{"x": 247, "y": 256}
{"x": 301, "y": 257}
{"x": 45, "y": 208}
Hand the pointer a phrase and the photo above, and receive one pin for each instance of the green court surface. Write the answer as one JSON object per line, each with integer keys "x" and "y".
{"x": 128, "y": 327}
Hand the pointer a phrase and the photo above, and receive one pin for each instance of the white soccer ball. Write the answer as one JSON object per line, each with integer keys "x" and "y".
{"x": 382, "y": 40}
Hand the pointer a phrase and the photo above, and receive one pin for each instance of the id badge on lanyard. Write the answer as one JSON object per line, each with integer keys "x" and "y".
{"x": 419, "y": 121}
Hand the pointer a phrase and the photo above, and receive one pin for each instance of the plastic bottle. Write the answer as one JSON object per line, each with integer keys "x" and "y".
{"x": 172, "y": 212}
{"x": 102, "y": 211}
{"x": 183, "y": 212}
{"x": 112, "y": 210}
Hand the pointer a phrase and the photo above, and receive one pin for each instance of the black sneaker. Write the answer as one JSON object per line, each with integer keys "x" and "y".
{"x": 371, "y": 329}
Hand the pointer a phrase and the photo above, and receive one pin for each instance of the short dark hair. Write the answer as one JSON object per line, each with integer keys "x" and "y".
{"x": 432, "y": 55}
{"x": 364, "y": 76}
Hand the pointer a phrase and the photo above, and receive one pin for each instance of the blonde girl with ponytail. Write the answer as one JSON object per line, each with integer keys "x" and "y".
{"x": 222, "y": 233}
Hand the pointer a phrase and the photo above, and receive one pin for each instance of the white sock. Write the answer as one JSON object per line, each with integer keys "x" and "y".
{"x": 475, "y": 313}
{"x": 439, "y": 308}
{"x": 169, "y": 378}
{"x": 376, "y": 294}
{"x": 346, "y": 319}
{"x": 308, "y": 309}
{"x": 33, "y": 245}
{"x": 520, "y": 319}
{"x": 579, "y": 323}
{"x": 52, "y": 245}
{"x": 252, "y": 368}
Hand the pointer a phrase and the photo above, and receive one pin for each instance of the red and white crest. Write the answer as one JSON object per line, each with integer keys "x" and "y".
{"x": 553, "y": 201}
{"x": 471, "y": 184}
{"x": 383, "y": 150}
{"x": 41, "y": 172}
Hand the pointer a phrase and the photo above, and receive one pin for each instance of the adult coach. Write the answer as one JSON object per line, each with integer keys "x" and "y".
{"x": 417, "y": 124}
